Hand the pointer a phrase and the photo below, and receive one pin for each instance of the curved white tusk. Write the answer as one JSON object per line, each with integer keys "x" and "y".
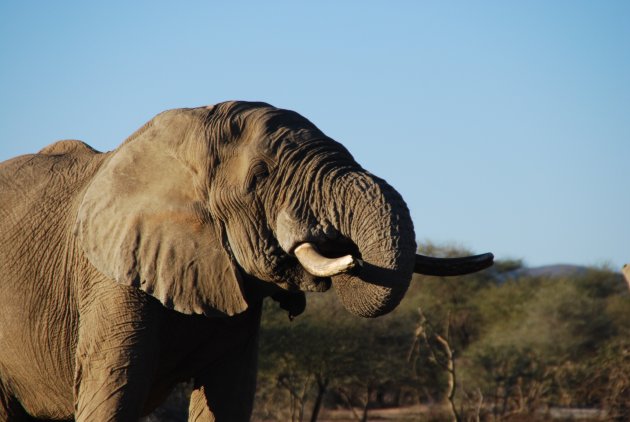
{"x": 320, "y": 266}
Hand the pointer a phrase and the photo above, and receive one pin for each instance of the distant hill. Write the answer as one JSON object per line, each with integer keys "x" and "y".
{"x": 552, "y": 271}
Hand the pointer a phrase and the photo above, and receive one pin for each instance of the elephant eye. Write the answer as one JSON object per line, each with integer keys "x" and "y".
{"x": 256, "y": 174}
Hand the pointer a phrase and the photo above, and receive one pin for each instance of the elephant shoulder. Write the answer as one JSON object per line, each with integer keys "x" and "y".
{"x": 68, "y": 146}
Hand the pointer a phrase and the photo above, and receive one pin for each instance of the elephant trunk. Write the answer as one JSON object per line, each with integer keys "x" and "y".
{"x": 375, "y": 218}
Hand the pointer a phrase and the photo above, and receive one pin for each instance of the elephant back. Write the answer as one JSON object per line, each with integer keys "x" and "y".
{"x": 43, "y": 182}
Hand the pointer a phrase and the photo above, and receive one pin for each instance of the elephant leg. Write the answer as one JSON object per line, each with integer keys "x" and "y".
{"x": 10, "y": 409}
{"x": 116, "y": 355}
{"x": 225, "y": 390}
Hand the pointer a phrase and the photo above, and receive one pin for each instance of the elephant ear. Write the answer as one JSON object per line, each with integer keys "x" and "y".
{"x": 143, "y": 222}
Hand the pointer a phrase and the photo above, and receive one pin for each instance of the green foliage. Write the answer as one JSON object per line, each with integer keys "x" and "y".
{"x": 327, "y": 348}
{"x": 520, "y": 344}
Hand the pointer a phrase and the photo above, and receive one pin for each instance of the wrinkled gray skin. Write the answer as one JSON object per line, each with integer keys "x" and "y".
{"x": 123, "y": 273}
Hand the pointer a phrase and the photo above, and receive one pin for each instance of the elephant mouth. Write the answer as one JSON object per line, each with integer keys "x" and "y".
{"x": 311, "y": 264}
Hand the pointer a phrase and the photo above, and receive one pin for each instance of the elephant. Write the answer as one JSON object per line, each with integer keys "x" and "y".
{"x": 126, "y": 272}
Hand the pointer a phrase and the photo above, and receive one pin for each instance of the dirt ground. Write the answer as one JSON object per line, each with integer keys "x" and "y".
{"x": 419, "y": 413}
{"x": 410, "y": 413}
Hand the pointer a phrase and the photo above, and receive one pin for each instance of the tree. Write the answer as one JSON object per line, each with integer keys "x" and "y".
{"x": 441, "y": 354}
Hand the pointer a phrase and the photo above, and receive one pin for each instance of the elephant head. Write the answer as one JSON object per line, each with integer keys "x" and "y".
{"x": 200, "y": 203}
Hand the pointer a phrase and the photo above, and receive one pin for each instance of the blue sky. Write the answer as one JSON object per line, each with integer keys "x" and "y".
{"x": 504, "y": 125}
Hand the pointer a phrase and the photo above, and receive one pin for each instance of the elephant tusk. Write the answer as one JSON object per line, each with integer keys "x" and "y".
{"x": 320, "y": 266}
{"x": 452, "y": 266}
